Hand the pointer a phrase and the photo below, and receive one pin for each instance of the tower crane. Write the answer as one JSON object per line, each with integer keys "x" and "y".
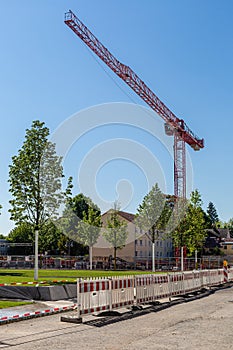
{"x": 174, "y": 126}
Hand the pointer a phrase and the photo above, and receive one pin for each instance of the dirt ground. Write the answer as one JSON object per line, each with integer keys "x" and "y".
{"x": 205, "y": 324}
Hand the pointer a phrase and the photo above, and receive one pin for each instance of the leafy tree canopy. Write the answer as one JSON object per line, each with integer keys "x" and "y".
{"x": 35, "y": 178}
{"x": 191, "y": 230}
{"x": 212, "y": 214}
{"x": 154, "y": 212}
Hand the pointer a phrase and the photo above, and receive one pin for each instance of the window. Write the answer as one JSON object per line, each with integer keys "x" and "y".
{"x": 136, "y": 241}
{"x": 141, "y": 242}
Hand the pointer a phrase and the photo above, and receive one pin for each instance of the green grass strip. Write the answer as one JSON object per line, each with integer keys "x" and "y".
{"x": 5, "y": 303}
{"x": 8, "y": 276}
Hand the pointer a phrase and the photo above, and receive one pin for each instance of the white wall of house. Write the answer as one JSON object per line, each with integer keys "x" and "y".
{"x": 138, "y": 246}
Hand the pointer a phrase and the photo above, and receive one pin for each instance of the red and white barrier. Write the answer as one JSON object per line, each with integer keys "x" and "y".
{"x": 34, "y": 314}
{"x": 106, "y": 294}
{"x": 93, "y": 295}
{"x": 122, "y": 292}
{"x": 37, "y": 283}
{"x": 101, "y": 294}
{"x": 176, "y": 283}
{"x": 230, "y": 274}
{"x": 151, "y": 287}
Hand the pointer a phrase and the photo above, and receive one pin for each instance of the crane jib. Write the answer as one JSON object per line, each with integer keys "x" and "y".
{"x": 131, "y": 78}
{"x": 174, "y": 126}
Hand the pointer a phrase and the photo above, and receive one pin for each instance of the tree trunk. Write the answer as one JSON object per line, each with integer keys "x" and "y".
{"x": 90, "y": 257}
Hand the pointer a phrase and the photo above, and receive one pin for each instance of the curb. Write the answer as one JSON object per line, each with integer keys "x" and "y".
{"x": 29, "y": 315}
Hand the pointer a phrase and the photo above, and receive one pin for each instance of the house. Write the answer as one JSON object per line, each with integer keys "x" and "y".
{"x": 138, "y": 248}
{"x": 226, "y": 243}
{"x": 219, "y": 239}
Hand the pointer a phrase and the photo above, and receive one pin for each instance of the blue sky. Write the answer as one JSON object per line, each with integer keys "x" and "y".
{"x": 182, "y": 49}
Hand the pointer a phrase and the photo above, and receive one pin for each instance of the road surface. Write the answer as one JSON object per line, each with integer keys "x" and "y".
{"x": 205, "y": 324}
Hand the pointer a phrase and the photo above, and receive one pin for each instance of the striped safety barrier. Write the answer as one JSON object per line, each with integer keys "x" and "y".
{"x": 97, "y": 295}
{"x": 176, "y": 283}
{"x": 151, "y": 287}
{"x": 93, "y": 295}
{"x": 122, "y": 292}
{"x": 37, "y": 283}
{"x": 230, "y": 274}
{"x": 225, "y": 272}
{"x": 39, "y": 313}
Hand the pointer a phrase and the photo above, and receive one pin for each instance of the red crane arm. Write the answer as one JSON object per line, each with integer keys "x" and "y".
{"x": 131, "y": 78}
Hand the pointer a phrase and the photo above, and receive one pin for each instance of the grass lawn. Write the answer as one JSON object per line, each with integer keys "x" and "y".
{"x": 13, "y": 275}
{"x": 5, "y": 303}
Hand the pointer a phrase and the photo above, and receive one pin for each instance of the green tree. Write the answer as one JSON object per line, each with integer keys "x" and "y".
{"x": 191, "y": 230}
{"x": 49, "y": 238}
{"x": 212, "y": 214}
{"x": 89, "y": 230}
{"x": 153, "y": 215}
{"x": 80, "y": 205}
{"x": 77, "y": 215}
{"x": 115, "y": 231}
{"x": 23, "y": 233}
{"x": 35, "y": 180}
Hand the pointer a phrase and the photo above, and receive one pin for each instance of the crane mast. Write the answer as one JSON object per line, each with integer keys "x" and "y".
{"x": 173, "y": 125}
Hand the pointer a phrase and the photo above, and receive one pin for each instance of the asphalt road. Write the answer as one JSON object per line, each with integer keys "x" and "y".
{"x": 205, "y": 324}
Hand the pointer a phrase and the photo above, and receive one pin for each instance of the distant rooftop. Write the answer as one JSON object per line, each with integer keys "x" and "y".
{"x": 128, "y": 216}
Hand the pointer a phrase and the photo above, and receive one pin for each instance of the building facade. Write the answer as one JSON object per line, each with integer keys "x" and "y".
{"x": 138, "y": 248}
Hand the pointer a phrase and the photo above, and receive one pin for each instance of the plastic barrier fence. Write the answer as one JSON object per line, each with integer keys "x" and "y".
{"x": 122, "y": 292}
{"x": 151, "y": 287}
{"x": 176, "y": 284}
{"x": 101, "y": 294}
{"x": 95, "y": 295}
{"x": 230, "y": 274}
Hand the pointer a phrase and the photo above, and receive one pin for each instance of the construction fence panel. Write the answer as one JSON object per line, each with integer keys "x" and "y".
{"x": 189, "y": 282}
{"x": 176, "y": 282}
{"x": 205, "y": 276}
{"x": 216, "y": 277}
{"x": 151, "y": 287}
{"x": 103, "y": 294}
{"x": 230, "y": 274}
{"x": 93, "y": 295}
{"x": 197, "y": 280}
{"x": 122, "y": 291}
